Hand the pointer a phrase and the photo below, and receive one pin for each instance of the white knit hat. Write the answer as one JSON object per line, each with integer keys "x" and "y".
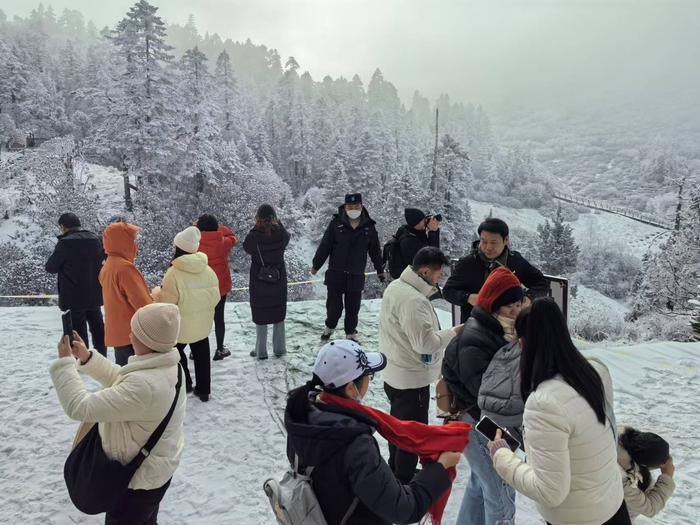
{"x": 188, "y": 239}
{"x": 157, "y": 325}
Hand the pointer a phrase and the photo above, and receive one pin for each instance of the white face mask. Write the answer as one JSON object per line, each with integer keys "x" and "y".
{"x": 354, "y": 214}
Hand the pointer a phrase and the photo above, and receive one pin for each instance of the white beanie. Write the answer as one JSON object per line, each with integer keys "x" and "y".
{"x": 157, "y": 326}
{"x": 188, "y": 239}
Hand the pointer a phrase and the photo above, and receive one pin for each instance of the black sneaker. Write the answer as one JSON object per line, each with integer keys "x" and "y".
{"x": 202, "y": 397}
{"x": 219, "y": 355}
{"x": 253, "y": 353}
{"x": 225, "y": 351}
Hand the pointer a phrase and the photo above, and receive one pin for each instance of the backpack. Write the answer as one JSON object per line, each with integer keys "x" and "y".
{"x": 391, "y": 254}
{"x": 293, "y": 500}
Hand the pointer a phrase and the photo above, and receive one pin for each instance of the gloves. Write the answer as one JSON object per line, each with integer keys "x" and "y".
{"x": 494, "y": 446}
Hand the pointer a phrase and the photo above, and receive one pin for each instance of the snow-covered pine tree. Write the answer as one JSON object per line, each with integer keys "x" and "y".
{"x": 227, "y": 97}
{"x": 198, "y": 132}
{"x": 558, "y": 250}
{"x": 453, "y": 182}
{"x": 140, "y": 118}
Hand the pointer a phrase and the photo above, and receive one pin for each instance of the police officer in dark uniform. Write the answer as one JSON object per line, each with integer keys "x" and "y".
{"x": 349, "y": 238}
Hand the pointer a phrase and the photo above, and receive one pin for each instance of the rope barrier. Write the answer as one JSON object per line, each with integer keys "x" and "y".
{"x": 242, "y": 289}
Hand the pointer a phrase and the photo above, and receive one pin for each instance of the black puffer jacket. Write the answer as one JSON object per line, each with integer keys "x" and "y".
{"x": 268, "y": 301}
{"x": 468, "y": 356}
{"x": 348, "y": 248}
{"x": 471, "y": 272}
{"x": 77, "y": 259}
{"x": 412, "y": 240}
{"x": 339, "y": 444}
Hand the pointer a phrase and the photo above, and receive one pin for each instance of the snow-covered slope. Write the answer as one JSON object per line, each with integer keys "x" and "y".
{"x": 236, "y": 441}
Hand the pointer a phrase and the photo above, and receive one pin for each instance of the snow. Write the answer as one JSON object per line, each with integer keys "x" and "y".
{"x": 236, "y": 441}
{"x": 107, "y": 186}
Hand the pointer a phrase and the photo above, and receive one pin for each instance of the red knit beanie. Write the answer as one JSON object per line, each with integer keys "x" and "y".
{"x": 499, "y": 281}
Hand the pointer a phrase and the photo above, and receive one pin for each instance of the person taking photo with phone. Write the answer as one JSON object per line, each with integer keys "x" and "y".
{"x": 490, "y": 326}
{"x": 571, "y": 471}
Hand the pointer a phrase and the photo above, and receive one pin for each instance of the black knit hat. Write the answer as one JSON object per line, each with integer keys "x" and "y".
{"x": 413, "y": 216}
{"x": 353, "y": 198}
{"x": 510, "y": 296}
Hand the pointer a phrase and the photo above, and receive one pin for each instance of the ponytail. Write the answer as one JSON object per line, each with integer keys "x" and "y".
{"x": 298, "y": 400}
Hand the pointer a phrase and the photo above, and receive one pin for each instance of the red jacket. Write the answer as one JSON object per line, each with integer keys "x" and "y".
{"x": 217, "y": 245}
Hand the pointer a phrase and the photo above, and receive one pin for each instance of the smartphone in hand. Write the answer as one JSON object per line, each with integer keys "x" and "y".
{"x": 487, "y": 428}
{"x": 67, "y": 325}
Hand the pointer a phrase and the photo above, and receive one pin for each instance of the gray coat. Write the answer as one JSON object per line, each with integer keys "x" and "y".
{"x": 499, "y": 395}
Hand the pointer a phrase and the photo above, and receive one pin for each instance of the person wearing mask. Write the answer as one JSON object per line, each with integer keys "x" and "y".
{"x": 571, "y": 471}
{"x": 266, "y": 244}
{"x": 135, "y": 398}
{"x": 192, "y": 285}
{"x": 350, "y": 237}
{"x": 491, "y": 251}
{"x": 411, "y": 337}
{"x": 124, "y": 288}
{"x": 637, "y": 454}
{"x": 77, "y": 259}
{"x": 216, "y": 243}
{"x": 420, "y": 230}
{"x": 490, "y": 326}
{"x": 352, "y": 482}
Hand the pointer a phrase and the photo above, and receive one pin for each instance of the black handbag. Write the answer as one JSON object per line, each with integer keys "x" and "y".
{"x": 96, "y": 483}
{"x": 268, "y": 274}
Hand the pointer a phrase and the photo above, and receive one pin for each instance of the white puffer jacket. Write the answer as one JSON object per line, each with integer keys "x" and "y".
{"x": 571, "y": 470}
{"x": 133, "y": 402}
{"x": 409, "y": 327}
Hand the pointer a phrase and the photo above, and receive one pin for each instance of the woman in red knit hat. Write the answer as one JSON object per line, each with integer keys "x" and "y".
{"x": 491, "y": 325}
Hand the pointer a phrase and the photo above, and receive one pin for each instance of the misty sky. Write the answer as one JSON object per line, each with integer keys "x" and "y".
{"x": 531, "y": 52}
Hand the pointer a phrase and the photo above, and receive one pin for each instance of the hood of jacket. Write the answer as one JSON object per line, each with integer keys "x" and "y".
{"x": 329, "y": 430}
{"x": 414, "y": 280}
{"x": 119, "y": 240}
{"x": 342, "y": 216}
{"x": 192, "y": 262}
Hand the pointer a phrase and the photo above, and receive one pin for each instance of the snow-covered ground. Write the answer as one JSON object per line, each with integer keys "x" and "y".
{"x": 236, "y": 441}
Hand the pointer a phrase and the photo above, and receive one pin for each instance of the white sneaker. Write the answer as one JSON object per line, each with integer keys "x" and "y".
{"x": 327, "y": 333}
{"x": 352, "y": 337}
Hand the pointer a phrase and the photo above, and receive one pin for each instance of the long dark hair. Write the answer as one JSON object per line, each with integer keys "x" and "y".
{"x": 266, "y": 219}
{"x": 548, "y": 350}
{"x": 647, "y": 450}
{"x": 179, "y": 252}
{"x": 299, "y": 399}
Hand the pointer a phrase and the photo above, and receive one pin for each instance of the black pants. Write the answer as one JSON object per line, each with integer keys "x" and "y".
{"x": 408, "y": 405}
{"x": 219, "y": 325}
{"x": 202, "y": 366}
{"x": 93, "y": 318}
{"x": 122, "y": 354}
{"x": 334, "y": 308}
{"x": 137, "y": 507}
{"x": 621, "y": 517}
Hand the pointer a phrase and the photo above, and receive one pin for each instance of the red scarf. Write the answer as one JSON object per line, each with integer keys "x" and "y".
{"x": 426, "y": 441}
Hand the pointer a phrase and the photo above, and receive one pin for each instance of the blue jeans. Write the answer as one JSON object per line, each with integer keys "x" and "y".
{"x": 488, "y": 500}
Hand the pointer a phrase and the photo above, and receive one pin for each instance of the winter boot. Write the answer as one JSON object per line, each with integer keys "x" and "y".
{"x": 327, "y": 333}
{"x": 202, "y": 397}
{"x": 225, "y": 351}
